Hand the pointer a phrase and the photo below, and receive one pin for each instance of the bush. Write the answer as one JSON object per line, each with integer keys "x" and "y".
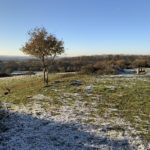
{"x": 88, "y": 69}
{"x": 100, "y": 68}
{"x": 4, "y": 75}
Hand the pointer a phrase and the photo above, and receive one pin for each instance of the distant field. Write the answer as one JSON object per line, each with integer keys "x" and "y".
{"x": 124, "y": 97}
{"x": 147, "y": 69}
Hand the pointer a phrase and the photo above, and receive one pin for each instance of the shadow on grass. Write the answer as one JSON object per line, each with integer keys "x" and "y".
{"x": 25, "y": 132}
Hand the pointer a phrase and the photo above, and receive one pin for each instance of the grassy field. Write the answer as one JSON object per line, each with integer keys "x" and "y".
{"x": 125, "y": 97}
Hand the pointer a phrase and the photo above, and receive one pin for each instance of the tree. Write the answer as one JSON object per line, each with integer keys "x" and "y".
{"x": 43, "y": 46}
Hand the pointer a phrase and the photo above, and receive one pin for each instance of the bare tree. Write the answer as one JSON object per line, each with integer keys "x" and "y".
{"x": 43, "y": 46}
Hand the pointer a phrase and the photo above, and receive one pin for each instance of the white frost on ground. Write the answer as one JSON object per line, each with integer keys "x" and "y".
{"x": 33, "y": 127}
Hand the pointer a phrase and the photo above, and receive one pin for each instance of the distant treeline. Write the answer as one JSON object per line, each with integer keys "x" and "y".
{"x": 101, "y": 64}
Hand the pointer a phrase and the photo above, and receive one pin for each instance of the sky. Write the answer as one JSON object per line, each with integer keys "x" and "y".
{"x": 87, "y": 27}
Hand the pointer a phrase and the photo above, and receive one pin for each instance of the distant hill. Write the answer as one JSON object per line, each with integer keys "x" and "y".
{"x": 18, "y": 58}
{"x": 12, "y": 58}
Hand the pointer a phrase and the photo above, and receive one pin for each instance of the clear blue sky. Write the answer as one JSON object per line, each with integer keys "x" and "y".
{"x": 86, "y": 26}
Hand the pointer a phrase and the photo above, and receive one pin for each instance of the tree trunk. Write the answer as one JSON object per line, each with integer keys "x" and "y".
{"x": 46, "y": 80}
{"x": 44, "y": 69}
{"x": 44, "y": 75}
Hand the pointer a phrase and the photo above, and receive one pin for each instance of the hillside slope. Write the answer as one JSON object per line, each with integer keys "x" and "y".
{"x": 75, "y": 112}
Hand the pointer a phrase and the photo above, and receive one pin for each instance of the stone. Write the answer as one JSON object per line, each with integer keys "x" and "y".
{"x": 76, "y": 82}
{"x": 89, "y": 89}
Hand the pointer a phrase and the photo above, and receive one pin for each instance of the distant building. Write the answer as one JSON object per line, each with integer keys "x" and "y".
{"x": 141, "y": 71}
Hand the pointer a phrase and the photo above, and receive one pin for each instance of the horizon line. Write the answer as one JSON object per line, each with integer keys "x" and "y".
{"x": 79, "y": 55}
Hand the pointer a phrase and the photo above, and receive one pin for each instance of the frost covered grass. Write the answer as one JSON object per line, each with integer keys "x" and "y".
{"x": 128, "y": 98}
{"x": 105, "y": 96}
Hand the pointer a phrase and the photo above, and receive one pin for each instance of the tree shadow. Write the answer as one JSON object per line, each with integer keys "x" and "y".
{"x": 25, "y": 132}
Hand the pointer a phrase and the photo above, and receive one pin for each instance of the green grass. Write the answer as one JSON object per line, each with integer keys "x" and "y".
{"x": 132, "y": 99}
{"x": 129, "y": 96}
